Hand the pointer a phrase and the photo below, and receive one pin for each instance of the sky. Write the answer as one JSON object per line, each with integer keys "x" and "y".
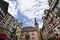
{"x": 26, "y": 10}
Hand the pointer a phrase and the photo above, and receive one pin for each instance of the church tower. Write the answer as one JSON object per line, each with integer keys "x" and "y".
{"x": 37, "y": 28}
{"x": 36, "y": 24}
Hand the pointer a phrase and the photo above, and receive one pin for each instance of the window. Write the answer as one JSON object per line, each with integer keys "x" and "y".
{"x": 58, "y": 5}
{"x": 49, "y": 1}
{"x": 21, "y": 35}
{"x": 55, "y": 31}
{"x": 51, "y": 15}
{"x": 32, "y": 34}
{"x": 1, "y": 18}
{"x": 1, "y": 14}
{"x": 56, "y": 10}
{"x": 0, "y": 9}
{"x": 14, "y": 24}
{"x": 21, "y": 38}
{"x": 33, "y": 38}
{"x": 58, "y": 29}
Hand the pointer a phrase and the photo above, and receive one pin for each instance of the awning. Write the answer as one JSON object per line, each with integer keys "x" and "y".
{"x": 3, "y": 36}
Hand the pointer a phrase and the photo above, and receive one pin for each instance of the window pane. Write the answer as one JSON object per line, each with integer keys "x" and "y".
{"x": 55, "y": 10}
{"x": 33, "y": 38}
{"x": 59, "y": 30}
{"x": 58, "y": 4}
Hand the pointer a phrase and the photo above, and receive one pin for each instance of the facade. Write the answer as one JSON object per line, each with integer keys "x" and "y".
{"x": 51, "y": 21}
{"x": 56, "y": 12}
{"x": 29, "y": 33}
{"x": 8, "y": 24}
{"x": 18, "y": 31}
{"x": 3, "y": 12}
{"x": 3, "y": 9}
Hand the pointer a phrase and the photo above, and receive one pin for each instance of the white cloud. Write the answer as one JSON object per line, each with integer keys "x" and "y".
{"x": 33, "y": 8}
{"x": 12, "y": 8}
{"x": 25, "y": 4}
